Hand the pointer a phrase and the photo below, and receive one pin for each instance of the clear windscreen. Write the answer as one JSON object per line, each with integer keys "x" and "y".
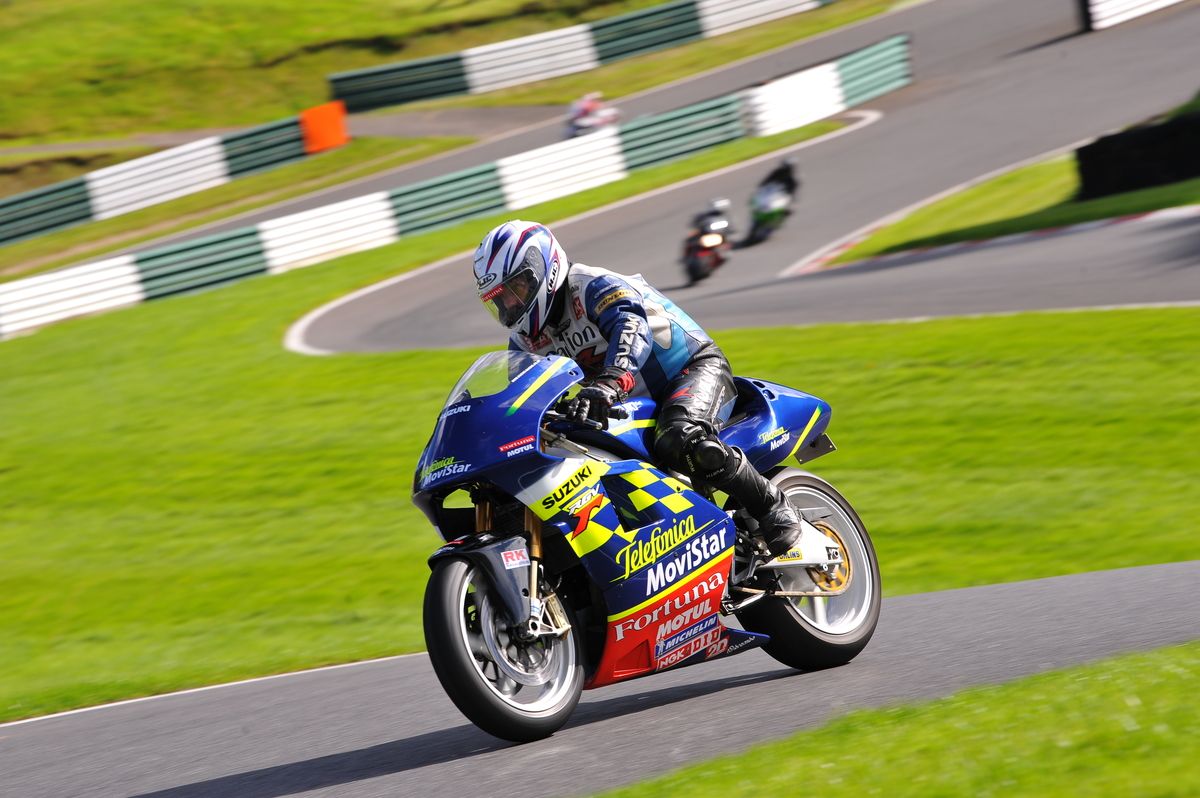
{"x": 491, "y": 374}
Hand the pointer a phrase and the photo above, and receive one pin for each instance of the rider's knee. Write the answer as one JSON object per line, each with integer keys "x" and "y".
{"x": 674, "y": 440}
{"x": 691, "y": 448}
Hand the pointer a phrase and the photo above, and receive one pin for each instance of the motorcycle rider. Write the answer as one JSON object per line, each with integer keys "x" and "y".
{"x": 628, "y": 339}
{"x": 589, "y": 111}
{"x": 586, "y": 105}
{"x": 718, "y": 208}
{"x": 784, "y": 175}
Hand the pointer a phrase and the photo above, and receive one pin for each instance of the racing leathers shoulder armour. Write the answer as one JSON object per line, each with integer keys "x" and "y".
{"x": 616, "y": 324}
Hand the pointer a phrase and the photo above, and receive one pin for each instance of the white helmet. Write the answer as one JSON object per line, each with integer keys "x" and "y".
{"x": 518, "y": 268}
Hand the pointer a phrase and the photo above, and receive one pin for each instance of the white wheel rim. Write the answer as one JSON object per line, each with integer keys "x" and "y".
{"x": 845, "y": 613}
{"x": 530, "y": 679}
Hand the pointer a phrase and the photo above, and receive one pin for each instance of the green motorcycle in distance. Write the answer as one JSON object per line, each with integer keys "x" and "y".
{"x": 769, "y": 207}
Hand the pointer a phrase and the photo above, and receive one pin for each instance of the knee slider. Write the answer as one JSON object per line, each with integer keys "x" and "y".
{"x": 686, "y": 446}
{"x": 709, "y": 454}
{"x": 674, "y": 443}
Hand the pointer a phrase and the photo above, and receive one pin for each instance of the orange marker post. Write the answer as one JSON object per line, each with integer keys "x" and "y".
{"x": 324, "y": 127}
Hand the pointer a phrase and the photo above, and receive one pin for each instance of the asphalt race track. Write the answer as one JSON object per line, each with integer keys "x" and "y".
{"x": 993, "y": 106}
{"x": 997, "y": 83}
{"x": 1135, "y": 263}
{"x": 386, "y": 729}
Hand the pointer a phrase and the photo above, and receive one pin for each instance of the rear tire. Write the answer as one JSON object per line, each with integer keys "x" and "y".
{"x": 461, "y": 614}
{"x": 697, "y": 269}
{"x": 811, "y": 636}
{"x": 756, "y": 235}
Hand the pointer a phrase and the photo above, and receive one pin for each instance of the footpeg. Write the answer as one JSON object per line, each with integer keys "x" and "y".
{"x": 814, "y": 550}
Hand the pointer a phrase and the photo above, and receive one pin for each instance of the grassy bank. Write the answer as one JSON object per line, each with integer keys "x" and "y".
{"x": 362, "y": 157}
{"x": 184, "y": 502}
{"x": 1124, "y": 726}
{"x": 24, "y": 171}
{"x": 81, "y": 68}
{"x": 1034, "y": 197}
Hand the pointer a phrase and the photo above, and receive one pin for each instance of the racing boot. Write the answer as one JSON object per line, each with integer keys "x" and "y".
{"x": 778, "y": 521}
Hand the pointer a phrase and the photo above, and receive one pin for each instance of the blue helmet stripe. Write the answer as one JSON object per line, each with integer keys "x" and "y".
{"x": 498, "y": 244}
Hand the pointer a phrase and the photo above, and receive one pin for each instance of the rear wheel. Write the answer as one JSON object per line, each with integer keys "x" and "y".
{"x": 809, "y": 632}
{"x": 757, "y": 234}
{"x": 519, "y": 690}
{"x": 698, "y": 267}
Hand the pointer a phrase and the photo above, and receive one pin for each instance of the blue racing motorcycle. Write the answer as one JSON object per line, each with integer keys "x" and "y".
{"x": 572, "y": 561}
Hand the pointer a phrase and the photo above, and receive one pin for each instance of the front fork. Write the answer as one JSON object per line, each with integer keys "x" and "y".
{"x": 514, "y": 569}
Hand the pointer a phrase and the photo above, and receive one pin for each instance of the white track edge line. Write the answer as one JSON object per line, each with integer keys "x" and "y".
{"x": 209, "y": 687}
{"x": 801, "y": 266}
{"x": 294, "y": 338}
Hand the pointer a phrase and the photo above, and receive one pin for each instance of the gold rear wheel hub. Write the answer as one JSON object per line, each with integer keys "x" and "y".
{"x": 837, "y": 578}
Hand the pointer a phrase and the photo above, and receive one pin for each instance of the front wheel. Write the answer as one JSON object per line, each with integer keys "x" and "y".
{"x": 516, "y": 690}
{"x": 812, "y": 632}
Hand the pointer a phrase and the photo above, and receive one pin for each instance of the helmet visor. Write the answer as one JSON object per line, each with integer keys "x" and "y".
{"x": 509, "y": 301}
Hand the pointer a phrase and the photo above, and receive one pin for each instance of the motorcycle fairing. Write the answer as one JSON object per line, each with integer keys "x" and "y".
{"x": 771, "y": 422}
{"x": 487, "y": 426}
{"x": 770, "y": 200}
{"x": 660, "y": 553}
{"x": 637, "y": 431}
{"x": 644, "y": 538}
{"x": 674, "y": 629}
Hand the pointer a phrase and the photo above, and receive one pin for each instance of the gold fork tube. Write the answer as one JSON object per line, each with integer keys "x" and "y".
{"x": 534, "y": 525}
{"x": 483, "y": 516}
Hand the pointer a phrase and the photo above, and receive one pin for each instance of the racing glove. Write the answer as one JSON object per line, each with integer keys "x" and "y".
{"x": 595, "y": 399}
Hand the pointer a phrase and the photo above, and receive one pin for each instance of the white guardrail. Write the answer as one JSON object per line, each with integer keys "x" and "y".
{"x": 513, "y": 183}
{"x": 560, "y": 169}
{"x": 538, "y": 57}
{"x": 552, "y": 54}
{"x": 1099, "y": 14}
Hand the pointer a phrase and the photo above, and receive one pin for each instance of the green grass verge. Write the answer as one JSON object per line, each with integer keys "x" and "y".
{"x": 1125, "y": 726}
{"x": 362, "y": 157}
{"x": 1034, "y": 197}
{"x": 185, "y": 503}
{"x": 24, "y": 171}
{"x": 1192, "y": 106}
{"x": 655, "y": 69}
{"x": 77, "y": 67}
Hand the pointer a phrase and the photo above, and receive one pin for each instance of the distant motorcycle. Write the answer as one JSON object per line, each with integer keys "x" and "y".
{"x": 589, "y": 123}
{"x": 572, "y": 562}
{"x": 705, "y": 249}
{"x": 770, "y": 206}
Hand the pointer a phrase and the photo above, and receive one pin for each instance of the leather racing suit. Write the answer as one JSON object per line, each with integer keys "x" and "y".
{"x": 619, "y": 326}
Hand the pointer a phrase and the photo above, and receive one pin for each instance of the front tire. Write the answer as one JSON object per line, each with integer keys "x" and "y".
{"x": 812, "y": 633}
{"x": 513, "y": 690}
